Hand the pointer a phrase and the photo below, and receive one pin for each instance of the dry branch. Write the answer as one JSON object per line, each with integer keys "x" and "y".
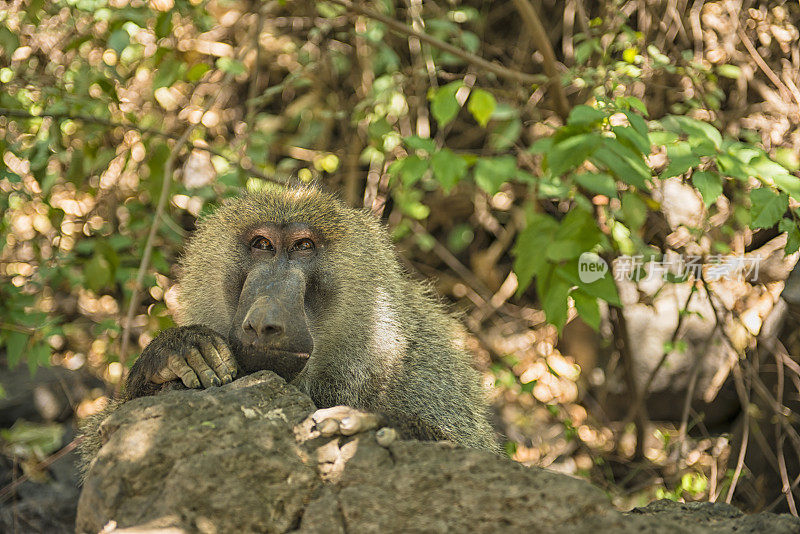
{"x": 478, "y": 61}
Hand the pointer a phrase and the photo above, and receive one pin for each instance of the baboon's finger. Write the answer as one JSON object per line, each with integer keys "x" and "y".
{"x": 226, "y": 355}
{"x": 328, "y": 427}
{"x": 201, "y": 368}
{"x": 214, "y": 360}
{"x": 358, "y": 422}
{"x": 328, "y": 453}
{"x": 335, "y": 412}
{"x": 163, "y": 375}
{"x": 181, "y": 369}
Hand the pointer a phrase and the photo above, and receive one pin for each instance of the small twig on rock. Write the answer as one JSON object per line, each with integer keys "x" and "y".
{"x": 9, "y": 489}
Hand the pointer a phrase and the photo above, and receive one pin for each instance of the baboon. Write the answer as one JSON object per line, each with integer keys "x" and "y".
{"x": 292, "y": 280}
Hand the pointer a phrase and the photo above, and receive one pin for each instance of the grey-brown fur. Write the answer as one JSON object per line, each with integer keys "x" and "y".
{"x": 382, "y": 342}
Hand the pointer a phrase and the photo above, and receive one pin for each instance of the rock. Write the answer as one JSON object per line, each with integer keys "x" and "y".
{"x": 232, "y": 459}
{"x": 709, "y": 517}
{"x": 222, "y": 459}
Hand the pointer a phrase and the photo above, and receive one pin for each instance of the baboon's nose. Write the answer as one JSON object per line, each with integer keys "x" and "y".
{"x": 263, "y": 329}
{"x": 260, "y": 326}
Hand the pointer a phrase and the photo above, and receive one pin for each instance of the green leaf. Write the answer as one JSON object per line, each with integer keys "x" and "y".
{"x": 600, "y": 183}
{"x": 481, "y": 104}
{"x": 792, "y": 235}
{"x": 637, "y": 140}
{"x": 567, "y": 154}
{"x": 410, "y": 169}
{"x": 415, "y": 142}
{"x": 587, "y": 308}
{"x": 788, "y": 183}
{"x": 197, "y": 71}
{"x": 416, "y": 210}
{"x": 164, "y": 24}
{"x": 626, "y": 164}
{"x": 444, "y": 106}
{"x": 577, "y": 233}
{"x": 156, "y": 162}
{"x": 460, "y": 237}
{"x": 231, "y": 66}
{"x": 634, "y": 211}
{"x": 504, "y": 112}
{"x": 505, "y": 134}
{"x": 40, "y": 355}
{"x": 730, "y": 165}
{"x": 584, "y": 50}
{"x": 448, "y": 168}
{"x": 97, "y": 273}
{"x": 699, "y": 130}
{"x": 661, "y": 138}
{"x": 550, "y": 186}
{"x": 118, "y": 40}
{"x": 492, "y": 173}
{"x": 15, "y": 346}
{"x": 603, "y": 288}
{"x": 531, "y": 241}
{"x": 788, "y": 158}
{"x": 681, "y": 159}
{"x": 553, "y": 292}
{"x": 636, "y": 104}
{"x": 169, "y": 71}
{"x": 32, "y": 11}
{"x": 542, "y": 145}
{"x": 729, "y": 71}
{"x": 709, "y": 184}
{"x": 585, "y": 115}
{"x": 9, "y": 41}
{"x": 638, "y": 123}
{"x": 767, "y": 207}
{"x": 765, "y": 167}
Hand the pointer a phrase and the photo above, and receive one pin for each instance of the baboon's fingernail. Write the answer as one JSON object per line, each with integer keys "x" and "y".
{"x": 386, "y": 436}
{"x": 215, "y": 381}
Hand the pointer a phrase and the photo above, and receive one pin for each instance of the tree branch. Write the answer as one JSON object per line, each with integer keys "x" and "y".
{"x": 537, "y": 32}
{"x": 401, "y": 28}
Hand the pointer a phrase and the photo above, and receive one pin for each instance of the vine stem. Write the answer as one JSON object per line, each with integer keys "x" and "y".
{"x": 169, "y": 167}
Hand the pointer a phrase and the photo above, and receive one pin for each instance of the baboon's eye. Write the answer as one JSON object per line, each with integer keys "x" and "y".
{"x": 304, "y": 245}
{"x": 260, "y": 242}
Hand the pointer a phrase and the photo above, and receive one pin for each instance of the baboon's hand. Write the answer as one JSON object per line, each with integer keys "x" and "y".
{"x": 195, "y": 355}
{"x": 334, "y": 423}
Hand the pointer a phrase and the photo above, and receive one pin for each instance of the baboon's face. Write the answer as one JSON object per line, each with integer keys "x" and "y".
{"x": 278, "y": 292}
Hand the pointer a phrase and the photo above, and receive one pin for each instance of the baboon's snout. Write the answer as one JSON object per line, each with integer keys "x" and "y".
{"x": 275, "y": 318}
